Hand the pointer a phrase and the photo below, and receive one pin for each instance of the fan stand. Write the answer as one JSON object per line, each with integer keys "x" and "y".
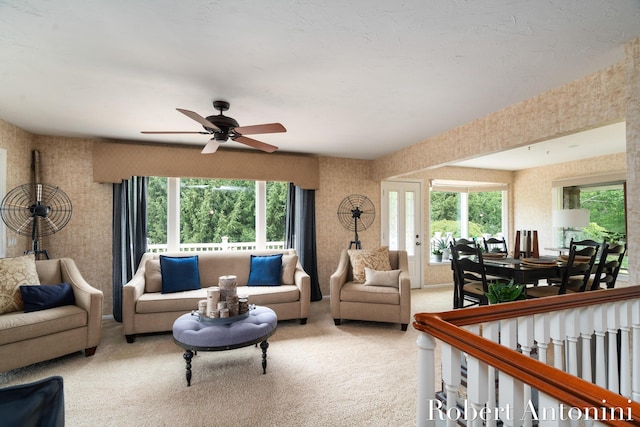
{"x": 355, "y": 213}
{"x": 35, "y": 243}
{"x": 35, "y": 249}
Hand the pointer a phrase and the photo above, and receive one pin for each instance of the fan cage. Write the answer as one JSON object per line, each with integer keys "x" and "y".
{"x": 36, "y": 210}
{"x": 356, "y": 206}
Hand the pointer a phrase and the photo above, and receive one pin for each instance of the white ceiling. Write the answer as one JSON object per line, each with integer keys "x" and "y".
{"x": 356, "y": 79}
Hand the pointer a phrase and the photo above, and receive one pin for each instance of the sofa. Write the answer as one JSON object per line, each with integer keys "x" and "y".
{"x": 146, "y": 308}
{"x": 383, "y": 294}
{"x": 36, "y": 336}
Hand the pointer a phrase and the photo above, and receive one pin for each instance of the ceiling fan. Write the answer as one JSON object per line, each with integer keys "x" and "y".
{"x": 223, "y": 127}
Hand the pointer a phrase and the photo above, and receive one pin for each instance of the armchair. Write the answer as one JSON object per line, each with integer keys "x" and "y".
{"x": 369, "y": 302}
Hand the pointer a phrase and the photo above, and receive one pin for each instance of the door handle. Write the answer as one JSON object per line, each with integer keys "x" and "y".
{"x": 418, "y": 243}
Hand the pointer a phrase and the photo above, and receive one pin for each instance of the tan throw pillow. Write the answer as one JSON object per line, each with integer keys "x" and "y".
{"x": 381, "y": 278}
{"x": 289, "y": 263}
{"x": 152, "y": 276}
{"x": 15, "y": 272}
{"x": 377, "y": 259}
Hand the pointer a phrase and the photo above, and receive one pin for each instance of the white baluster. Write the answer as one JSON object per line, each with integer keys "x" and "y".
{"x": 599, "y": 325}
{"x": 491, "y": 331}
{"x": 625, "y": 349}
{"x": 541, "y": 334}
{"x": 451, "y": 377}
{"x": 426, "y": 381}
{"x": 572, "y": 330}
{"x": 525, "y": 339}
{"x": 586, "y": 331}
{"x": 557, "y": 334}
{"x": 635, "y": 325}
{"x": 511, "y": 391}
{"x": 556, "y": 329}
{"x": 548, "y": 412}
{"x": 613, "y": 323}
{"x": 477, "y": 392}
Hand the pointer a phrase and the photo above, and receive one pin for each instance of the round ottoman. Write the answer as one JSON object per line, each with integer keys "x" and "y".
{"x": 192, "y": 334}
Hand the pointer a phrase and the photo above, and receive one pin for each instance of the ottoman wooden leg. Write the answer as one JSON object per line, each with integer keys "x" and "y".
{"x": 188, "y": 355}
{"x": 264, "y": 345}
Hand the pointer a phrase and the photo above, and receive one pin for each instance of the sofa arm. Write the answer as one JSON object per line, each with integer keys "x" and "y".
{"x": 131, "y": 292}
{"x": 336, "y": 281}
{"x": 303, "y": 281}
{"x": 87, "y": 297}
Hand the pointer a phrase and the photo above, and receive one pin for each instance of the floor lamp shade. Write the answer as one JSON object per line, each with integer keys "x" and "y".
{"x": 571, "y": 218}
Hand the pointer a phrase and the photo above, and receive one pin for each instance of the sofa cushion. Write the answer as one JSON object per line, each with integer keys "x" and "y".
{"x": 42, "y": 297}
{"x": 16, "y": 272}
{"x": 377, "y": 259}
{"x": 157, "y": 302}
{"x": 179, "y": 273}
{"x": 267, "y": 295}
{"x": 265, "y": 270}
{"x": 381, "y": 278}
{"x": 359, "y": 292}
{"x": 289, "y": 263}
{"x": 20, "y": 326}
{"x": 152, "y": 276}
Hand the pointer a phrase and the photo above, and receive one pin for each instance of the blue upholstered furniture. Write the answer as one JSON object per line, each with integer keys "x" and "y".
{"x": 193, "y": 334}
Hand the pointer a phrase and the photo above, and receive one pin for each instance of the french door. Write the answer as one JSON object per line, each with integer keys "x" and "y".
{"x": 402, "y": 223}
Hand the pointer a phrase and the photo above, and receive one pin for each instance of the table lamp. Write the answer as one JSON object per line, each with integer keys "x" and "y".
{"x": 570, "y": 220}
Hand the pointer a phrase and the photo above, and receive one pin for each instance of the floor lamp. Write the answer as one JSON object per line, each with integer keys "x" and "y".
{"x": 570, "y": 221}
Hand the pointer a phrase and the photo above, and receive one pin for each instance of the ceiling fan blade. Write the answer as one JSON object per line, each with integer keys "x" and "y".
{"x": 171, "y": 132}
{"x": 211, "y": 147}
{"x": 198, "y": 118}
{"x": 265, "y": 128}
{"x": 256, "y": 144}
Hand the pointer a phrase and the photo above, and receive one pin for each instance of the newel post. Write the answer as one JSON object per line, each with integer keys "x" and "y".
{"x": 426, "y": 381}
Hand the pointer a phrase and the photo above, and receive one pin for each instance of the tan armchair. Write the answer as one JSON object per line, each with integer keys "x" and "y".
{"x": 357, "y": 301}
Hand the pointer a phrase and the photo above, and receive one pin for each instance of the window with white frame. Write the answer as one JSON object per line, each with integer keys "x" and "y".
{"x": 461, "y": 209}
{"x": 214, "y": 214}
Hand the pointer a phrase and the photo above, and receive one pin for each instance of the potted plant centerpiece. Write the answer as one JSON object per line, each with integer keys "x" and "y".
{"x": 505, "y": 292}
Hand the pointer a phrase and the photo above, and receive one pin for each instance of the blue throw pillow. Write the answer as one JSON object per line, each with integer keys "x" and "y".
{"x": 179, "y": 273}
{"x": 265, "y": 270}
{"x": 42, "y": 297}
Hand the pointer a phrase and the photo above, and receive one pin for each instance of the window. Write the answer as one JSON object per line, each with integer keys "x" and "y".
{"x": 467, "y": 209}
{"x": 607, "y": 216}
{"x": 215, "y": 214}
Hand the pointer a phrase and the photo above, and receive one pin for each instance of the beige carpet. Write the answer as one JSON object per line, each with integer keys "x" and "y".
{"x": 358, "y": 374}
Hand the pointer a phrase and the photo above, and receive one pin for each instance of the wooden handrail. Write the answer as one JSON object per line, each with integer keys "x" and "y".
{"x": 567, "y": 388}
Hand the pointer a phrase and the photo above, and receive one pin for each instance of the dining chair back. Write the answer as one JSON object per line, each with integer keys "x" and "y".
{"x": 495, "y": 245}
{"x": 608, "y": 266}
{"x": 575, "y": 276}
{"x": 469, "y": 276}
{"x": 463, "y": 241}
{"x": 578, "y": 282}
{"x": 579, "y": 267}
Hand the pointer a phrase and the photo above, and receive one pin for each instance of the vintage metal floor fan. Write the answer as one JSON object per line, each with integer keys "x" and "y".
{"x": 356, "y": 212}
{"x": 36, "y": 210}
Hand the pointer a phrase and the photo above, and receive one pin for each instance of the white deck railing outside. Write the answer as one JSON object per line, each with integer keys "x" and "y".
{"x": 225, "y": 245}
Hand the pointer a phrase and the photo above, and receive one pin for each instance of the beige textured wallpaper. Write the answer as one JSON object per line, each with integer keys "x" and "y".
{"x": 602, "y": 98}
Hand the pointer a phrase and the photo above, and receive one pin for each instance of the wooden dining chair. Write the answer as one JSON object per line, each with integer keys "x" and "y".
{"x": 578, "y": 265}
{"x": 495, "y": 245}
{"x": 577, "y": 283}
{"x": 470, "y": 278}
{"x": 608, "y": 267}
{"x": 463, "y": 241}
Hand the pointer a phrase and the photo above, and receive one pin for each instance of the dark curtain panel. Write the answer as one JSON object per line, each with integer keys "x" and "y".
{"x": 301, "y": 232}
{"x": 129, "y": 234}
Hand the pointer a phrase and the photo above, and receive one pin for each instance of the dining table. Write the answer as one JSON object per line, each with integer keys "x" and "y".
{"x": 525, "y": 270}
